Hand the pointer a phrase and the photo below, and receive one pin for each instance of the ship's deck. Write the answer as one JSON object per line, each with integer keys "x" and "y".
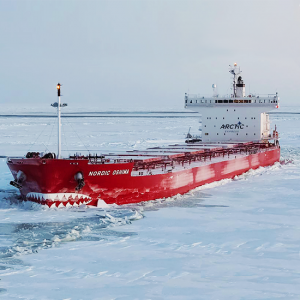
{"x": 154, "y": 157}
{"x": 168, "y": 154}
{"x": 172, "y": 158}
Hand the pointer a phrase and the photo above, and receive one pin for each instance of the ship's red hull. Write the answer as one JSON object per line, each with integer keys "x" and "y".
{"x": 114, "y": 182}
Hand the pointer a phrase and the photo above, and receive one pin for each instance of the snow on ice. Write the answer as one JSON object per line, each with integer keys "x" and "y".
{"x": 234, "y": 239}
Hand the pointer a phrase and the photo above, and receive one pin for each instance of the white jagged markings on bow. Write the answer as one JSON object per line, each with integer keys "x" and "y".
{"x": 64, "y": 197}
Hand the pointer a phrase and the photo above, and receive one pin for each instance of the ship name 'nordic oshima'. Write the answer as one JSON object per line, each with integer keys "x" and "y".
{"x": 235, "y": 138}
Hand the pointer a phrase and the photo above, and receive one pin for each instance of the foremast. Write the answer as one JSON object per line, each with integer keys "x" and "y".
{"x": 59, "y": 105}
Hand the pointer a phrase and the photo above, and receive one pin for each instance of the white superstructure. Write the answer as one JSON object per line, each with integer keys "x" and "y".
{"x": 236, "y": 118}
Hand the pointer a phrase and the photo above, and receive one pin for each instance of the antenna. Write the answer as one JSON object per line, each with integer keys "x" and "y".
{"x": 235, "y": 71}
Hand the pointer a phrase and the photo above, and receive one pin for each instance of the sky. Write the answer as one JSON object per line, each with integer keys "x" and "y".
{"x": 142, "y": 54}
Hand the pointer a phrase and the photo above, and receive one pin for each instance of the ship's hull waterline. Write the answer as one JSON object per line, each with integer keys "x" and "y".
{"x": 51, "y": 181}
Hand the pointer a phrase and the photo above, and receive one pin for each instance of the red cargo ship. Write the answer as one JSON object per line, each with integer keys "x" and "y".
{"x": 235, "y": 138}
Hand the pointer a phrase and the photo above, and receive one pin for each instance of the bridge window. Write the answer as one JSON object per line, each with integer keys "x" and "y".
{"x": 230, "y": 101}
{"x": 225, "y": 101}
{"x": 220, "y": 101}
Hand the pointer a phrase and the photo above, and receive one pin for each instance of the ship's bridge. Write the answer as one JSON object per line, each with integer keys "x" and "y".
{"x": 198, "y": 100}
{"x": 235, "y": 118}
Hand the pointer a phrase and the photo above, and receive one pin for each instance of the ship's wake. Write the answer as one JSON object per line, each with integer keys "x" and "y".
{"x": 29, "y": 235}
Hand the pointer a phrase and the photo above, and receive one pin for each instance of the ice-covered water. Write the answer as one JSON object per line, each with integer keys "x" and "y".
{"x": 235, "y": 239}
